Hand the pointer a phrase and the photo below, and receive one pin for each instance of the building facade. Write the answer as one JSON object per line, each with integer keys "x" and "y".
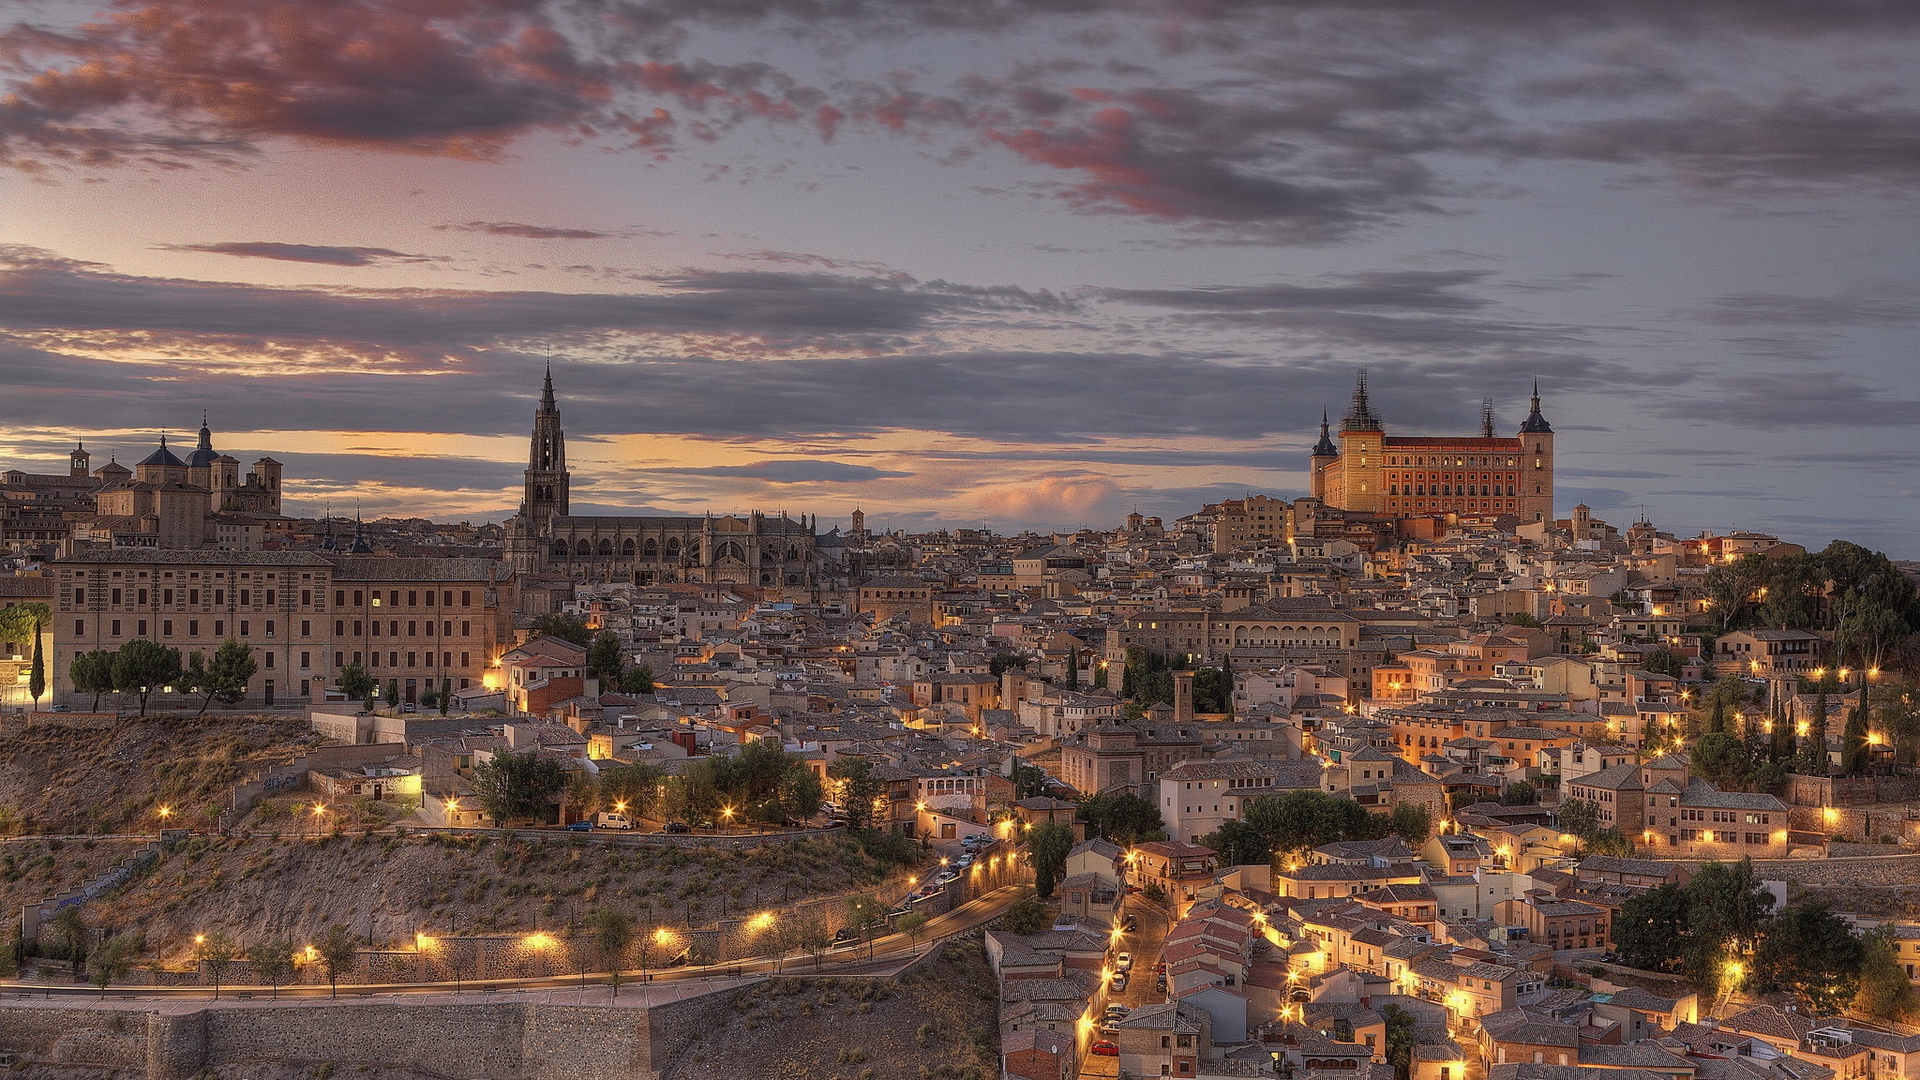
{"x": 754, "y": 549}
{"x": 1404, "y": 476}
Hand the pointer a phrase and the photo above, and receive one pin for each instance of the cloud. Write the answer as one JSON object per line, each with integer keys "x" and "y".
{"x": 794, "y": 472}
{"x": 1062, "y": 498}
{"x": 527, "y": 232}
{"x": 50, "y": 299}
{"x": 1775, "y": 400}
{"x": 1771, "y": 309}
{"x": 305, "y": 253}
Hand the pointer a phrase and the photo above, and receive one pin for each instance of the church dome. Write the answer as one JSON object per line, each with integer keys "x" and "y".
{"x": 164, "y": 456}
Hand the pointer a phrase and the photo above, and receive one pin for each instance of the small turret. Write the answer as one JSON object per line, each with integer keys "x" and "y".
{"x": 1536, "y": 424}
{"x": 1325, "y": 447}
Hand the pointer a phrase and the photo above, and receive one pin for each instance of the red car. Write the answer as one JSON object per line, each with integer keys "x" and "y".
{"x": 1103, "y": 1048}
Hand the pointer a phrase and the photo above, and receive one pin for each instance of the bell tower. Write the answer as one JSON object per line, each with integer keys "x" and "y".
{"x": 547, "y": 479}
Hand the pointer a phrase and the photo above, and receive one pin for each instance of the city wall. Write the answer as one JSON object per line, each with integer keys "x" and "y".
{"x": 479, "y": 1041}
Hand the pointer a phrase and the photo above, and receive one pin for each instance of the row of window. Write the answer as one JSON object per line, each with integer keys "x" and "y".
{"x": 414, "y": 659}
{"x": 393, "y": 628}
{"x": 245, "y": 597}
{"x": 1728, "y": 817}
{"x": 1447, "y": 489}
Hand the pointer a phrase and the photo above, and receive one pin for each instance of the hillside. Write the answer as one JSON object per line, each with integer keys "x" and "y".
{"x": 68, "y": 780}
{"x": 295, "y": 888}
{"x": 939, "y": 1021}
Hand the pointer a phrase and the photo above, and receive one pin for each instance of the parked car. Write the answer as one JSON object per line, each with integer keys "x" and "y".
{"x": 1117, "y": 1009}
{"x": 963, "y": 862}
{"x": 1130, "y": 925}
{"x": 1119, "y": 983}
{"x": 409, "y": 707}
{"x": 609, "y": 819}
{"x": 1160, "y": 982}
{"x": 1123, "y": 962}
{"x": 677, "y": 827}
{"x": 581, "y": 826}
{"x": 1104, "y": 1048}
{"x": 844, "y": 935}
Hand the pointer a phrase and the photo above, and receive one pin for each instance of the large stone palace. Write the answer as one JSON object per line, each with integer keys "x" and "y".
{"x": 1402, "y": 476}
{"x": 547, "y": 537}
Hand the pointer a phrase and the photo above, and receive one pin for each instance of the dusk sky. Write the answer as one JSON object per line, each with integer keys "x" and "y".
{"x": 970, "y": 261}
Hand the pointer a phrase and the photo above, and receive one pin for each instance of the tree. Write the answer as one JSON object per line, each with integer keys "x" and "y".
{"x": 1100, "y": 675}
{"x": 1651, "y": 930}
{"x": 215, "y": 951}
{"x": 1303, "y": 819}
{"x": 1579, "y": 817}
{"x": 611, "y": 931}
{"x": 637, "y": 680}
{"x": 1029, "y": 780}
{"x": 1664, "y": 661}
{"x": 339, "y": 953}
{"x": 1029, "y": 916}
{"x": 1813, "y": 746}
{"x": 225, "y": 680}
{"x": 1000, "y": 662}
{"x": 357, "y": 684}
{"x": 604, "y": 661}
{"x": 1401, "y": 1040}
{"x": 801, "y": 793}
{"x": 1725, "y": 904}
{"x": 1722, "y": 759}
{"x": 631, "y": 789}
{"x": 110, "y": 963}
{"x": 92, "y": 673}
{"x": 809, "y": 934}
{"x": 517, "y": 787}
{"x": 1073, "y": 669}
{"x": 1810, "y": 952}
{"x": 1237, "y": 843}
{"x": 1412, "y": 822}
{"x": 142, "y": 666}
{"x": 272, "y": 962}
{"x": 1049, "y": 843}
{"x": 1213, "y": 690}
{"x": 911, "y": 924}
{"x": 564, "y": 626}
{"x": 1521, "y": 618}
{"x": 858, "y": 789}
{"x": 1885, "y": 992}
{"x": 866, "y": 915}
{"x": 1853, "y": 741}
{"x": 1125, "y": 818}
{"x": 445, "y": 697}
{"x": 1520, "y": 793}
{"x": 1732, "y": 588}
{"x": 16, "y": 624}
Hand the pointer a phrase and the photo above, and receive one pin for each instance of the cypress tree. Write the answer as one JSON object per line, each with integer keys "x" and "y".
{"x": 1853, "y": 743}
{"x": 1814, "y": 752}
{"x": 1073, "y": 669}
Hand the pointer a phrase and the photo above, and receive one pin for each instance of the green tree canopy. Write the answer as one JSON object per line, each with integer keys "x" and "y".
{"x": 605, "y": 660}
{"x": 142, "y": 667}
{"x": 92, "y": 673}
{"x": 1124, "y": 818}
{"x": 518, "y": 787}
{"x": 637, "y": 680}
{"x": 1049, "y": 844}
{"x": 611, "y": 931}
{"x": 1811, "y": 953}
{"x": 225, "y": 679}
{"x": 272, "y": 962}
{"x": 858, "y": 789}
{"x": 339, "y": 954}
{"x": 564, "y": 626}
{"x": 354, "y": 682}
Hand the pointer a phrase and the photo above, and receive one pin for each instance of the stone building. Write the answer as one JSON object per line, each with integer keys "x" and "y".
{"x": 756, "y": 549}
{"x": 411, "y": 623}
{"x": 1403, "y": 476}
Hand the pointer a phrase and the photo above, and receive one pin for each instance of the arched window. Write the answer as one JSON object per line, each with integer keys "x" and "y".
{"x": 559, "y": 549}
{"x": 606, "y": 547}
{"x": 673, "y": 546}
{"x": 729, "y": 549}
{"x": 584, "y": 549}
{"x": 793, "y": 552}
{"x": 652, "y": 548}
{"x": 766, "y": 578}
{"x": 626, "y": 548}
{"x": 771, "y": 553}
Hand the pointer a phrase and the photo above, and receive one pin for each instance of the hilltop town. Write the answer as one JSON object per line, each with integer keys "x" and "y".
{"x": 1407, "y": 776}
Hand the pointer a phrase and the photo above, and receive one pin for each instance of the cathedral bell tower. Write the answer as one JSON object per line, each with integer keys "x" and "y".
{"x": 548, "y": 482}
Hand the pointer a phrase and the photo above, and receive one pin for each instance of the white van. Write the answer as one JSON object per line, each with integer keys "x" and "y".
{"x": 610, "y": 820}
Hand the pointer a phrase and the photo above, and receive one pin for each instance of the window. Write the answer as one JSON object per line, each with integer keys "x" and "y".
{"x": 466, "y": 598}
{"x": 219, "y": 628}
{"x": 269, "y": 597}
{"x": 115, "y": 631}
{"x": 306, "y": 660}
{"x": 306, "y": 627}
{"x": 270, "y": 627}
{"x": 359, "y": 598}
{"x": 245, "y": 627}
{"x": 193, "y": 627}
{"x": 306, "y": 597}
{"x": 413, "y": 598}
{"x": 80, "y": 628}
{"x": 269, "y": 661}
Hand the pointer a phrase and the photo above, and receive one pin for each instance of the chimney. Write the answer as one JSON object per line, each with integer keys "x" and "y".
{"x": 1183, "y": 697}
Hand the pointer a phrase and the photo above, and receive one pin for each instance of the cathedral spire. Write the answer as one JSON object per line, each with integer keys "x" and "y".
{"x": 547, "y": 481}
{"x": 546, "y": 393}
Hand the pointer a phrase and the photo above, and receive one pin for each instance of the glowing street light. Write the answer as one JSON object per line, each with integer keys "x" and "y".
{"x": 165, "y": 812}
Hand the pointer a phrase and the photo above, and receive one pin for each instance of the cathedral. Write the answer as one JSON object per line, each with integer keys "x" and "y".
{"x": 547, "y": 537}
{"x": 1405, "y": 476}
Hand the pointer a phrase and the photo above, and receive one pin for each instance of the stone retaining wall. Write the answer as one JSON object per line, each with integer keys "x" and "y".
{"x": 491, "y": 1041}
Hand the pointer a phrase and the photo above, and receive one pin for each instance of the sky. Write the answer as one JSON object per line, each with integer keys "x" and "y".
{"x": 964, "y": 262}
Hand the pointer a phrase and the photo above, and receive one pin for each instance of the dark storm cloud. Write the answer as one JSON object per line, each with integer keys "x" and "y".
{"x": 1422, "y": 310}
{"x": 526, "y": 232}
{"x": 794, "y": 472}
{"x": 1773, "y": 400}
{"x": 1320, "y": 118}
{"x": 44, "y": 293}
{"x": 306, "y": 253}
{"x": 1766, "y": 309}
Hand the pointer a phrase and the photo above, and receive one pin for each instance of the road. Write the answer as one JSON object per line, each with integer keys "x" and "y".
{"x": 888, "y": 954}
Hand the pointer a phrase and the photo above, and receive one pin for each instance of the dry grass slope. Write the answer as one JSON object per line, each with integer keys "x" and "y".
{"x": 936, "y": 1023}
